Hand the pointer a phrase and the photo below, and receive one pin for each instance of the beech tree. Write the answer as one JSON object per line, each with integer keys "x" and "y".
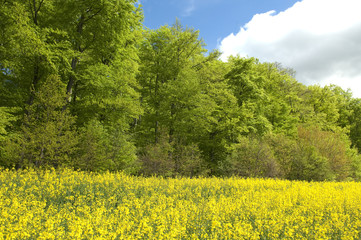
{"x": 88, "y": 45}
{"x": 83, "y": 84}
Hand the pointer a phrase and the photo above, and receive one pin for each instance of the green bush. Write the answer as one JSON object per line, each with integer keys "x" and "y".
{"x": 251, "y": 157}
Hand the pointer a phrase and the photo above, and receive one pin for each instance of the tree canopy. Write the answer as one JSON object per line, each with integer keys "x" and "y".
{"x": 84, "y": 85}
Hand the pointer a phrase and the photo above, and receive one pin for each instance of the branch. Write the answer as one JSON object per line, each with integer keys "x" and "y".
{"x": 41, "y": 3}
{"x": 96, "y": 13}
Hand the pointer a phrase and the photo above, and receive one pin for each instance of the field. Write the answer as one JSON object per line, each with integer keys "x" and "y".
{"x": 77, "y": 205}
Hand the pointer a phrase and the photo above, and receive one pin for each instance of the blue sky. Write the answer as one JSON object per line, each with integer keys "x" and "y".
{"x": 215, "y": 19}
{"x": 319, "y": 39}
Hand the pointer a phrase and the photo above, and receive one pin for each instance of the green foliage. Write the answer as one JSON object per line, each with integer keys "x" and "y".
{"x": 90, "y": 47}
{"x": 248, "y": 85}
{"x": 283, "y": 149}
{"x": 170, "y": 159}
{"x": 155, "y": 158}
{"x": 315, "y": 155}
{"x": 331, "y": 145}
{"x": 102, "y": 149}
{"x": 46, "y": 137}
{"x": 83, "y": 85}
{"x": 6, "y": 119}
{"x": 251, "y": 157}
{"x": 308, "y": 164}
{"x": 169, "y": 86}
{"x": 355, "y": 123}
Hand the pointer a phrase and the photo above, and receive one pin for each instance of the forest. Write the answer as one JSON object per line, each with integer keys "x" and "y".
{"x": 84, "y": 85}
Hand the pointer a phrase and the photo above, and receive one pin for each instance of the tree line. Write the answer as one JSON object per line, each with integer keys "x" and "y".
{"x": 85, "y": 85}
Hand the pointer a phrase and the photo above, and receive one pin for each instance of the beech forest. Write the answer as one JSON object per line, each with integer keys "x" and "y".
{"x": 85, "y": 85}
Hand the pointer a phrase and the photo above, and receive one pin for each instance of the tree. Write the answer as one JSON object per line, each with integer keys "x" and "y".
{"x": 46, "y": 137}
{"x": 307, "y": 164}
{"x": 282, "y": 90}
{"x": 165, "y": 54}
{"x": 102, "y": 148}
{"x": 251, "y": 157}
{"x": 171, "y": 93}
{"x": 248, "y": 85}
{"x": 87, "y": 45}
{"x": 100, "y": 77}
{"x": 219, "y": 119}
{"x": 355, "y": 123}
{"x": 185, "y": 93}
{"x": 28, "y": 55}
{"x": 6, "y": 119}
{"x": 333, "y": 146}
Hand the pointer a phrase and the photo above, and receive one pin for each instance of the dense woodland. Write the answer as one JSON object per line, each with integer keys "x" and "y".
{"x": 85, "y": 85}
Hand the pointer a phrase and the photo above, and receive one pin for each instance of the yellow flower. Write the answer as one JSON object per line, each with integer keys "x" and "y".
{"x": 76, "y": 205}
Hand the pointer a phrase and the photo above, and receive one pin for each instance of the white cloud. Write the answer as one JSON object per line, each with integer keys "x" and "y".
{"x": 191, "y": 7}
{"x": 320, "y": 39}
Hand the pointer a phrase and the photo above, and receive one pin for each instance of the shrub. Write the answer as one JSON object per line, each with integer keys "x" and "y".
{"x": 251, "y": 157}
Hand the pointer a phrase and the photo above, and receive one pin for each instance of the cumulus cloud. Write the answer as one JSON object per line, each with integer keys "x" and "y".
{"x": 320, "y": 39}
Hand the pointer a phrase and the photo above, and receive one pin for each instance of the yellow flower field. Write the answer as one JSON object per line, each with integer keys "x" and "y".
{"x": 76, "y": 205}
